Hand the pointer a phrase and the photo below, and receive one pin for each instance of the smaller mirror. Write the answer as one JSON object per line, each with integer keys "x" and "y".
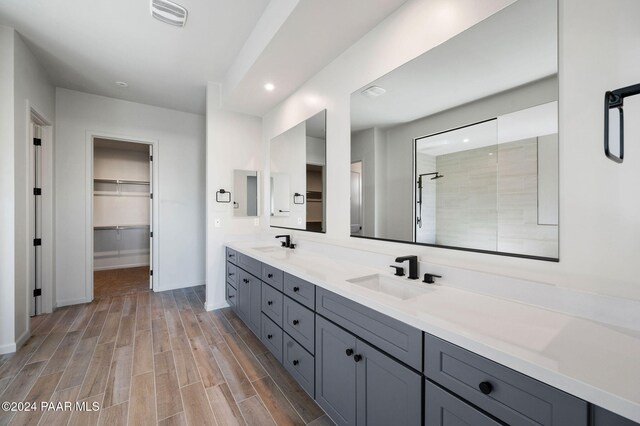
{"x": 245, "y": 193}
{"x": 298, "y": 176}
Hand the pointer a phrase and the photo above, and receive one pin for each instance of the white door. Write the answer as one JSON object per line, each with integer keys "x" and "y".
{"x": 356, "y": 203}
{"x": 35, "y": 218}
{"x": 151, "y": 217}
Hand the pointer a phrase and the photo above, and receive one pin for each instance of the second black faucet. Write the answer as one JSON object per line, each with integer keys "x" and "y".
{"x": 287, "y": 242}
{"x": 413, "y": 265}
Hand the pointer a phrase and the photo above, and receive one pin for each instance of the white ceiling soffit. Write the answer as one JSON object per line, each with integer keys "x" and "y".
{"x": 89, "y": 45}
{"x": 315, "y": 33}
{"x": 513, "y": 47}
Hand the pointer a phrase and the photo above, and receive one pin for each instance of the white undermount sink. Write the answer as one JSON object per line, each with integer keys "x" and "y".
{"x": 394, "y": 287}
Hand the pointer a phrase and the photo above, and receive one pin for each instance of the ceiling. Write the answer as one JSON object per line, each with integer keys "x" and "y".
{"x": 515, "y": 46}
{"x": 89, "y": 45}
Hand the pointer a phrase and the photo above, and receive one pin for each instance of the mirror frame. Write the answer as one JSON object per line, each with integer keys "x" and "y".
{"x": 324, "y": 202}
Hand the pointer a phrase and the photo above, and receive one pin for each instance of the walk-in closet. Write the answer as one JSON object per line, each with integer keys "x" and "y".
{"x": 122, "y": 217}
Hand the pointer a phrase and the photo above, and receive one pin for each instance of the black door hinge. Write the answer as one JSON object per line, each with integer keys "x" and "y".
{"x": 151, "y": 195}
{"x": 37, "y": 141}
{"x": 151, "y": 272}
{"x": 37, "y": 191}
{"x": 37, "y": 241}
{"x": 151, "y": 158}
{"x": 151, "y": 234}
{"x": 37, "y": 292}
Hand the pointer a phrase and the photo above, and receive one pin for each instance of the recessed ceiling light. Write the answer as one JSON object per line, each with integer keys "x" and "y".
{"x": 373, "y": 92}
{"x": 269, "y": 87}
{"x": 465, "y": 140}
{"x": 122, "y": 84}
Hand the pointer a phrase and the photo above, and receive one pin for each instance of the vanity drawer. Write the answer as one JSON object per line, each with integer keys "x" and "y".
{"x": 272, "y": 276}
{"x": 231, "y": 295}
{"x": 508, "y": 395}
{"x": 250, "y": 265}
{"x": 272, "y": 301}
{"x": 232, "y": 256}
{"x": 299, "y": 322}
{"x": 394, "y": 337}
{"x": 232, "y": 274}
{"x": 443, "y": 409}
{"x": 300, "y": 290}
{"x": 272, "y": 337}
{"x": 299, "y": 363}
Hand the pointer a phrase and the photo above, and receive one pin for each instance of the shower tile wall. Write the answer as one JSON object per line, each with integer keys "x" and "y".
{"x": 467, "y": 198}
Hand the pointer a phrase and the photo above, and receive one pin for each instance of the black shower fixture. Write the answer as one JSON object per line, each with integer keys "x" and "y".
{"x": 436, "y": 175}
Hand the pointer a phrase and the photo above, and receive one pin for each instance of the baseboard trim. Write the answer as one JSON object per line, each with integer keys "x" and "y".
{"x": 25, "y": 336}
{"x": 68, "y": 302}
{"x": 177, "y": 286}
{"x": 214, "y": 306}
{"x": 7, "y": 348}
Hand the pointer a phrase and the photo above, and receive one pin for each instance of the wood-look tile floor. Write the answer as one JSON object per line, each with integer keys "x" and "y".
{"x": 118, "y": 282}
{"x": 151, "y": 358}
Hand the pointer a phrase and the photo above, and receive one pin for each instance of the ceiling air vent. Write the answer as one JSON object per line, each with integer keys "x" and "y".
{"x": 169, "y": 12}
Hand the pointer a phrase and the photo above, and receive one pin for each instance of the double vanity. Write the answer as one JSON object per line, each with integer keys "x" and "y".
{"x": 368, "y": 349}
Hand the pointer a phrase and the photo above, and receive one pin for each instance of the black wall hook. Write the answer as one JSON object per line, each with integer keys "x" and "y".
{"x": 222, "y": 192}
{"x": 615, "y": 99}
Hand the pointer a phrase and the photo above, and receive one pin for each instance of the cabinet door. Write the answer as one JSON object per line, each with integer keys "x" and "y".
{"x": 388, "y": 392}
{"x": 443, "y": 409}
{"x": 335, "y": 372}
{"x": 244, "y": 296}
{"x": 255, "y": 305}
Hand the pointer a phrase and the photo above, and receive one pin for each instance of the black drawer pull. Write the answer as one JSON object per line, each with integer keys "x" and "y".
{"x": 246, "y": 280}
{"x": 269, "y": 275}
{"x": 231, "y": 274}
{"x": 357, "y": 357}
{"x": 296, "y": 289}
{"x": 231, "y": 296}
{"x": 232, "y": 255}
{"x": 296, "y": 362}
{"x": 349, "y": 352}
{"x": 485, "y": 388}
{"x": 270, "y": 302}
{"x": 296, "y": 322}
{"x": 269, "y": 336}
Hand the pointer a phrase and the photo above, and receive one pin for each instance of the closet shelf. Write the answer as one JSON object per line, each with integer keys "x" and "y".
{"x": 123, "y": 181}
{"x": 119, "y": 227}
{"x": 120, "y": 194}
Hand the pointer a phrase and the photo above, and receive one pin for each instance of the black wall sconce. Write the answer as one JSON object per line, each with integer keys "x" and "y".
{"x": 298, "y": 198}
{"x": 615, "y": 99}
{"x": 222, "y": 192}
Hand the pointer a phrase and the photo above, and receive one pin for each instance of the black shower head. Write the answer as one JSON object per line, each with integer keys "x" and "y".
{"x": 437, "y": 176}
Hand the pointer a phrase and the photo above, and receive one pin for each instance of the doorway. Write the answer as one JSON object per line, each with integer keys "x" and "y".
{"x": 356, "y": 198}
{"x": 122, "y": 217}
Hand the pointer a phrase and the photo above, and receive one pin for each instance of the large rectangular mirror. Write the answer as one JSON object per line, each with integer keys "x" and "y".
{"x": 459, "y": 147}
{"x": 298, "y": 176}
{"x": 245, "y": 193}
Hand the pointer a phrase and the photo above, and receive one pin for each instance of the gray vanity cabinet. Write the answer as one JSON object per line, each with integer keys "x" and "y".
{"x": 249, "y": 302}
{"x": 335, "y": 372}
{"x": 442, "y": 408}
{"x": 358, "y": 385}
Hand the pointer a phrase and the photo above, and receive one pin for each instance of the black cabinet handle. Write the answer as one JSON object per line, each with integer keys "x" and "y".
{"x": 485, "y": 387}
{"x": 246, "y": 280}
{"x": 296, "y": 362}
{"x": 231, "y": 274}
{"x": 296, "y": 322}
{"x": 269, "y": 336}
{"x": 349, "y": 352}
{"x": 232, "y": 255}
{"x": 269, "y": 275}
{"x": 357, "y": 357}
{"x": 231, "y": 297}
{"x": 270, "y": 302}
{"x": 296, "y": 289}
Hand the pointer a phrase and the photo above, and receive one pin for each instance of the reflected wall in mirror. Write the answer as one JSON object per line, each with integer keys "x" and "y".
{"x": 245, "y": 193}
{"x": 459, "y": 147}
{"x": 298, "y": 176}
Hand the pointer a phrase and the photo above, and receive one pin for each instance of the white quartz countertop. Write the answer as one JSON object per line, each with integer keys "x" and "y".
{"x": 597, "y": 362}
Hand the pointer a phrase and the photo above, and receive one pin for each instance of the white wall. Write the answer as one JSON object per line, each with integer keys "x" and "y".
{"x": 24, "y": 86}
{"x": 7, "y": 193}
{"x": 179, "y": 186}
{"x": 599, "y": 207}
{"x": 233, "y": 142}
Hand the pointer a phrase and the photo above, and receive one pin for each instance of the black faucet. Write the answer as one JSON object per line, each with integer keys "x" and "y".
{"x": 287, "y": 242}
{"x": 413, "y": 266}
